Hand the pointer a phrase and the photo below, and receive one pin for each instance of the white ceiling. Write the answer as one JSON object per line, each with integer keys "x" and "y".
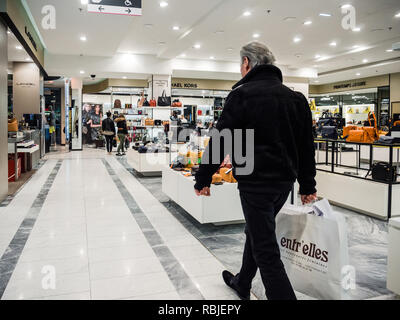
{"x": 219, "y": 24}
{"x": 14, "y": 54}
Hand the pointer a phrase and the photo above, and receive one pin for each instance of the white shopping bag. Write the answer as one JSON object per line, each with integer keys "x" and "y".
{"x": 314, "y": 249}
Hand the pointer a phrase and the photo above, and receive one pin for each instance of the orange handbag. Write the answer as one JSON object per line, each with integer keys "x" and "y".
{"x": 12, "y": 125}
{"x": 216, "y": 178}
{"x": 346, "y": 130}
{"x": 153, "y": 103}
{"x": 176, "y": 104}
{"x": 149, "y": 122}
{"x": 227, "y": 176}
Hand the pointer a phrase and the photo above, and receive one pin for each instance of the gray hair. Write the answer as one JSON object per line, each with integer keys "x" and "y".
{"x": 257, "y": 53}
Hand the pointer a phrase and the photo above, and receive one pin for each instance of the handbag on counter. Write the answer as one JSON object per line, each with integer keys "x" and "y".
{"x": 146, "y": 103}
{"x": 164, "y": 100}
{"x": 176, "y": 103}
{"x": 149, "y": 122}
{"x": 329, "y": 132}
{"x": 157, "y": 123}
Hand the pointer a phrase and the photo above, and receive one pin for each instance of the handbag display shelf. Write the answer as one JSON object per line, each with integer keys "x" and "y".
{"x": 358, "y": 190}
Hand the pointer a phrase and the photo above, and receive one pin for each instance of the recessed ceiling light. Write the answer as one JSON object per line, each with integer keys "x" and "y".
{"x": 163, "y": 4}
{"x": 28, "y": 59}
{"x": 325, "y": 15}
{"x": 397, "y": 15}
{"x": 256, "y": 35}
{"x": 81, "y": 72}
{"x": 357, "y": 29}
{"x": 317, "y": 56}
{"x": 176, "y": 28}
{"x": 230, "y": 49}
{"x": 148, "y": 25}
{"x": 197, "y": 46}
{"x": 219, "y": 32}
{"x": 333, "y": 44}
{"x": 307, "y": 23}
{"x": 355, "y": 47}
{"x": 358, "y": 74}
{"x": 365, "y": 60}
{"x": 212, "y": 57}
{"x": 183, "y": 55}
{"x": 84, "y": 2}
{"x": 18, "y": 47}
{"x": 247, "y": 13}
{"x": 316, "y": 81}
{"x": 389, "y": 50}
{"x": 83, "y": 38}
{"x": 161, "y": 43}
{"x": 8, "y": 32}
{"x": 345, "y": 6}
{"x": 297, "y": 39}
{"x": 124, "y": 77}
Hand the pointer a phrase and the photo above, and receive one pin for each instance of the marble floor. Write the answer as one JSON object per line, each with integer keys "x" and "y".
{"x": 86, "y": 226}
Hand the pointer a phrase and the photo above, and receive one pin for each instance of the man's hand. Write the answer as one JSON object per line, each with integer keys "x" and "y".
{"x": 308, "y": 198}
{"x": 204, "y": 192}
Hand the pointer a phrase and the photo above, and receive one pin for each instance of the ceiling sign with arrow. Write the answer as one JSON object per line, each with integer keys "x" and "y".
{"x": 122, "y": 7}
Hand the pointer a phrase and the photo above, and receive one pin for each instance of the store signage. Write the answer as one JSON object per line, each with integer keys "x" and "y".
{"x": 29, "y": 35}
{"x": 25, "y": 84}
{"x": 180, "y": 85}
{"x": 350, "y": 85}
{"x": 121, "y": 7}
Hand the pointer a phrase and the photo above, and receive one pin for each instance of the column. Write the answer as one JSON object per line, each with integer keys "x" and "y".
{"x": 77, "y": 85}
{"x": 3, "y": 113}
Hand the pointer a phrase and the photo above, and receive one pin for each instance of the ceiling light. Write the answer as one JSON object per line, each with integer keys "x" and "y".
{"x": 81, "y": 72}
{"x": 345, "y": 6}
{"x": 148, "y": 25}
{"x": 256, "y": 35}
{"x": 307, "y": 23}
{"x": 212, "y": 57}
{"x": 247, "y": 13}
{"x": 365, "y": 60}
{"x": 18, "y": 47}
{"x": 297, "y": 39}
{"x": 325, "y": 15}
{"x": 162, "y": 43}
{"x": 317, "y": 56}
{"x": 219, "y": 32}
{"x": 176, "y": 28}
{"x": 358, "y": 74}
{"x": 397, "y": 15}
{"x": 183, "y": 55}
{"x": 28, "y": 59}
{"x": 389, "y": 50}
{"x": 355, "y": 47}
{"x": 84, "y": 2}
{"x": 123, "y": 77}
{"x": 83, "y": 38}
{"x": 316, "y": 81}
{"x": 358, "y": 29}
{"x": 8, "y": 32}
{"x": 230, "y": 49}
{"x": 333, "y": 44}
{"x": 197, "y": 46}
{"x": 163, "y": 4}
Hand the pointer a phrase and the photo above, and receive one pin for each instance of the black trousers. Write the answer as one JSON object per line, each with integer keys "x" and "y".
{"x": 109, "y": 141}
{"x": 261, "y": 249}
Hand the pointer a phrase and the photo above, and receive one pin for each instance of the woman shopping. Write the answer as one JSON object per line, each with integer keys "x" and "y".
{"x": 122, "y": 132}
{"x": 108, "y": 128}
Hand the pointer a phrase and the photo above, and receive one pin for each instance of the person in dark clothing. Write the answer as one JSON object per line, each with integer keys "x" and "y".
{"x": 281, "y": 122}
{"x": 122, "y": 132}
{"x": 108, "y": 128}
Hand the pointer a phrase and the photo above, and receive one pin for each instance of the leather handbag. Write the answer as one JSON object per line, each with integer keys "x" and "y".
{"x": 329, "y": 132}
{"x": 157, "y": 122}
{"x": 149, "y": 122}
{"x": 12, "y": 125}
{"x": 216, "y": 179}
{"x": 381, "y": 171}
{"x": 176, "y": 103}
{"x": 164, "y": 100}
{"x": 153, "y": 103}
{"x": 146, "y": 103}
{"x": 227, "y": 175}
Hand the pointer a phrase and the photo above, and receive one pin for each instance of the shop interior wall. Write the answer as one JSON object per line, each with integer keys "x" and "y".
{"x": 395, "y": 92}
{"x": 3, "y": 112}
{"x": 26, "y": 89}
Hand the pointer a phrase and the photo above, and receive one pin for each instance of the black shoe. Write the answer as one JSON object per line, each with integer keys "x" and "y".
{"x": 229, "y": 280}
{"x": 119, "y": 155}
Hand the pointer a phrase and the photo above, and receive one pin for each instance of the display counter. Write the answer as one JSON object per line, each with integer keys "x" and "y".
{"x": 148, "y": 164}
{"x": 351, "y": 186}
{"x": 222, "y": 207}
{"x": 393, "y": 274}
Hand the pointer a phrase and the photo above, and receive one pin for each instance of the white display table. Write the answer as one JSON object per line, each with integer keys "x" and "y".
{"x": 222, "y": 207}
{"x": 148, "y": 164}
{"x": 393, "y": 274}
{"x": 365, "y": 196}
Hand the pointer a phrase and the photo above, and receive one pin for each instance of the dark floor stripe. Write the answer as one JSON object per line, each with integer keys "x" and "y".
{"x": 178, "y": 276}
{"x": 10, "y": 258}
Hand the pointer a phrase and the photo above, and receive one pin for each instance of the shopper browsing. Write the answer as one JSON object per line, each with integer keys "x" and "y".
{"x": 108, "y": 128}
{"x": 122, "y": 132}
{"x": 283, "y": 152}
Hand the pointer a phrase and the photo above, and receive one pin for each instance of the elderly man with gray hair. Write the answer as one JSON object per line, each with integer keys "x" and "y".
{"x": 281, "y": 121}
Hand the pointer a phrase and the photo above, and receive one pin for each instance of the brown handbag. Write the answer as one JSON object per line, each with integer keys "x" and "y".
{"x": 153, "y": 103}
{"x": 149, "y": 122}
{"x": 12, "y": 125}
